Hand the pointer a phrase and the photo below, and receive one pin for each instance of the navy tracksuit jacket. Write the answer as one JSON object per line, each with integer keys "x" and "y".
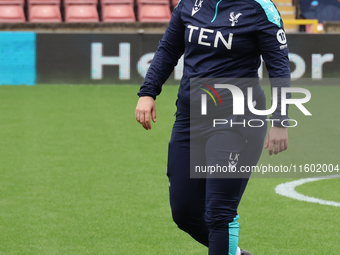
{"x": 219, "y": 38}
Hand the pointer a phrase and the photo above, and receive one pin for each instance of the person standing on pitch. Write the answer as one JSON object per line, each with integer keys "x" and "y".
{"x": 219, "y": 39}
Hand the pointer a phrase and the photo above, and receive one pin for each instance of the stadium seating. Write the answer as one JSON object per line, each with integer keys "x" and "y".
{"x": 43, "y": 2}
{"x": 12, "y": 13}
{"x": 117, "y": 2}
{"x": 12, "y": 2}
{"x": 86, "y": 10}
{"x": 68, "y": 2}
{"x": 175, "y": 3}
{"x": 81, "y": 13}
{"x": 167, "y": 2}
{"x": 154, "y": 13}
{"x": 118, "y": 13}
{"x": 44, "y": 13}
{"x": 287, "y": 12}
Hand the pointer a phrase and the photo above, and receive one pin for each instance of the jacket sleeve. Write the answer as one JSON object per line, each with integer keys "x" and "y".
{"x": 272, "y": 42}
{"x": 170, "y": 49}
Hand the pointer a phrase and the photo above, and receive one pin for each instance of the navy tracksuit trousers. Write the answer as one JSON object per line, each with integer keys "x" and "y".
{"x": 206, "y": 208}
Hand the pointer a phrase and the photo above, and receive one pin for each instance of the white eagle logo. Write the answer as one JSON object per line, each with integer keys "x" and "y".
{"x": 197, "y": 7}
{"x": 234, "y": 19}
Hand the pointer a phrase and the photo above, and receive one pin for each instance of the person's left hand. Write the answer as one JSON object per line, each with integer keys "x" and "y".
{"x": 277, "y": 138}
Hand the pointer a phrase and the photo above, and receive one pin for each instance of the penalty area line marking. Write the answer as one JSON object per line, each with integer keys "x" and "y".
{"x": 288, "y": 190}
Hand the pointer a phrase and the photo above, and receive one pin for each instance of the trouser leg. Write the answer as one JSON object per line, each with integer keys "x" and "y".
{"x": 223, "y": 195}
{"x": 187, "y": 196}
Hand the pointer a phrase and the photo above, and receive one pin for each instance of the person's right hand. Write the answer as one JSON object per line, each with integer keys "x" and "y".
{"x": 145, "y": 108}
{"x": 278, "y": 138}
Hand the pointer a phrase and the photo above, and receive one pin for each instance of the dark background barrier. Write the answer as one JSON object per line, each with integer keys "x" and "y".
{"x": 124, "y": 58}
{"x": 315, "y": 49}
{"x": 67, "y": 58}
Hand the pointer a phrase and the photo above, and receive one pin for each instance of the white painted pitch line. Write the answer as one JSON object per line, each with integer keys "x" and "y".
{"x": 288, "y": 190}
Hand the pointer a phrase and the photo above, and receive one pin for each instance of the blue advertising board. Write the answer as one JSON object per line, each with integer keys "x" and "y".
{"x": 17, "y": 58}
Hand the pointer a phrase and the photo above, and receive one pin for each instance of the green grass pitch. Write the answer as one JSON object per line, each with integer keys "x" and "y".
{"x": 79, "y": 175}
